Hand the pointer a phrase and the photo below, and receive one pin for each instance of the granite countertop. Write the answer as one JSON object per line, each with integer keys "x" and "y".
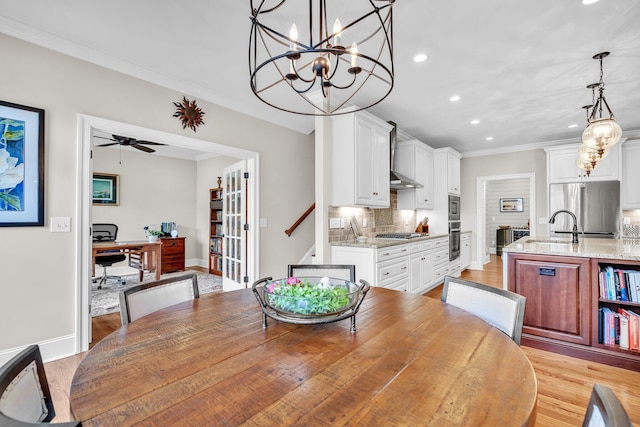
{"x": 623, "y": 249}
{"x": 385, "y": 243}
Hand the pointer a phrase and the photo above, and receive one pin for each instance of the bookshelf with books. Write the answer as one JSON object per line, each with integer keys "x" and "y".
{"x": 215, "y": 231}
{"x": 617, "y": 313}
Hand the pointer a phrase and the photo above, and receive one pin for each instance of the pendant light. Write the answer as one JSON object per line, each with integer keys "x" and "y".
{"x": 602, "y": 132}
{"x": 321, "y": 56}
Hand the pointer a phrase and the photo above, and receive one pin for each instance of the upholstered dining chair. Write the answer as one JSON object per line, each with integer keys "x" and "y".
{"x": 25, "y": 397}
{"x": 605, "y": 409}
{"x": 140, "y": 300}
{"x": 499, "y": 307}
{"x": 344, "y": 272}
{"x": 106, "y": 233}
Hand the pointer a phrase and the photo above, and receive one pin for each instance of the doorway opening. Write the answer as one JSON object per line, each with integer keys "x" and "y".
{"x": 87, "y": 125}
{"x": 482, "y": 183}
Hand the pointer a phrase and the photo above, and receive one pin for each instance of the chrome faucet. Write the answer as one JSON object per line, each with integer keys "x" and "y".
{"x": 574, "y": 231}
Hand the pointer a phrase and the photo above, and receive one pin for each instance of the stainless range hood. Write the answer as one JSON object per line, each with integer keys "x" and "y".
{"x": 398, "y": 181}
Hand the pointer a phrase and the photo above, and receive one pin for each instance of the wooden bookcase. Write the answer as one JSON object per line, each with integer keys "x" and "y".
{"x": 613, "y": 304}
{"x": 215, "y": 231}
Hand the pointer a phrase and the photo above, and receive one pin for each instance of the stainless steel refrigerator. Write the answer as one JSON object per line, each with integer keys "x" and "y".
{"x": 595, "y": 204}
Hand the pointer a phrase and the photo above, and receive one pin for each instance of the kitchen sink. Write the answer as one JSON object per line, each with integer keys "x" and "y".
{"x": 549, "y": 241}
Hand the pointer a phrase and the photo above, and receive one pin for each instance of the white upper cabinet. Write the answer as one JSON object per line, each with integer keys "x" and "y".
{"x": 414, "y": 159}
{"x": 561, "y": 165}
{"x": 446, "y": 162}
{"x": 360, "y": 153}
{"x": 453, "y": 172}
{"x": 631, "y": 175}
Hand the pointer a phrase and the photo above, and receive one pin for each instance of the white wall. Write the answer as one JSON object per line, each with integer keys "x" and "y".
{"x": 505, "y": 189}
{"x": 37, "y": 282}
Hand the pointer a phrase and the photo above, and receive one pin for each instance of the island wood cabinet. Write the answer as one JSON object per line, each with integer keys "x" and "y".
{"x": 172, "y": 254}
{"x": 360, "y": 161}
{"x": 558, "y": 292}
{"x": 414, "y": 159}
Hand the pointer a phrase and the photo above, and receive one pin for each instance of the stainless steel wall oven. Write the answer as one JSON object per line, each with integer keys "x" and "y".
{"x": 454, "y": 240}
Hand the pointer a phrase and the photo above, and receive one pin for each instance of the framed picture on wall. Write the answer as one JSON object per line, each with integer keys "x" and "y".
{"x": 511, "y": 205}
{"x": 21, "y": 165}
{"x": 106, "y": 189}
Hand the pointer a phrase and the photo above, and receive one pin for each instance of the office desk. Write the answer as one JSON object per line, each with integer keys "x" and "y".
{"x": 413, "y": 361}
{"x": 152, "y": 249}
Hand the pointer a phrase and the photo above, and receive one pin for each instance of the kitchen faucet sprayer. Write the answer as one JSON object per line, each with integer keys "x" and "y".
{"x": 574, "y": 231}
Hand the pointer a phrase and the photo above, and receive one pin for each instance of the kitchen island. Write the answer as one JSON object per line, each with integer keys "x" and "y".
{"x": 565, "y": 287}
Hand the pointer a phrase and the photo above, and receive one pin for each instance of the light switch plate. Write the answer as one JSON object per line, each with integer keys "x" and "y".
{"x": 263, "y": 222}
{"x": 334, "y": 223}
{"x": 60, "y": 224}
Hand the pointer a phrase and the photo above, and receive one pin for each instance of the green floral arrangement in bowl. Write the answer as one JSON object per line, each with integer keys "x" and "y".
{"x": 301, "y": 298}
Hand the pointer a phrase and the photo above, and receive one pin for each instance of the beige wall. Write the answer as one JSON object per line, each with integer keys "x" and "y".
{"x": 37, "y": 282}
{"x": 532, "y": 161}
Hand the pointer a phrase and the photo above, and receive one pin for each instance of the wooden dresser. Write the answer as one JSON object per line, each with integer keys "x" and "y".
{"x": 172, "y": 254}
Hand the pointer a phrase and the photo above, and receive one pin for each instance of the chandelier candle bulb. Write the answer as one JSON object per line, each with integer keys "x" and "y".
{"x": 354, "y": 55}
{"x": 293, "y": 35}
{"x": 337, "y": 31}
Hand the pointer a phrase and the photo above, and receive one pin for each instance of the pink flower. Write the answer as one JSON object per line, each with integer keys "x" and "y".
{"x": 293, "y": 281}
{"x": 270, "y": 287}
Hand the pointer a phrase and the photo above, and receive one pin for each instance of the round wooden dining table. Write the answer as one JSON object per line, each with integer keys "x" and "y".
{"x": 413, "y": 361}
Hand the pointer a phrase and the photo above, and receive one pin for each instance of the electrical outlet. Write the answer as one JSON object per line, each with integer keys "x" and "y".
{"x": 263, "y": 222}
{"x": 364, "y": 222}
{"x": 626, "y": 220}
{"x": 60, "y": 224}
{"x": 334, "y": 223}
{"x": 341, "y": 222}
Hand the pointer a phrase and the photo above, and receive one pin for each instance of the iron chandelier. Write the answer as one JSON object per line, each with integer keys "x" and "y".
{"x": 298, "y": 65}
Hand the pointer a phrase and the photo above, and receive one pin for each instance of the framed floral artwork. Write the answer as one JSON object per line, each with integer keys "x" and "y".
{"x": 21, "y": 165}
{"x": 106, "y": 189}
{"x": 511, "y": 205}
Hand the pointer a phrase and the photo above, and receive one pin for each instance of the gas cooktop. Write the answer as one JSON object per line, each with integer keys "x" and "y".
{"x": 398, "y": 236}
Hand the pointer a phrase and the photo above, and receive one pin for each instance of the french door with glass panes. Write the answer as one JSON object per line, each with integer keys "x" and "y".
{"x": 234, "y": 206}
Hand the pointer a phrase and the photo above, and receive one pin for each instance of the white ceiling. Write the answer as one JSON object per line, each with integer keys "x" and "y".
{"x": 520, "y": 67}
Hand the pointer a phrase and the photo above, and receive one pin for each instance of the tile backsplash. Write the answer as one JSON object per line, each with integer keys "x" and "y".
{"x": 372, "y": 221}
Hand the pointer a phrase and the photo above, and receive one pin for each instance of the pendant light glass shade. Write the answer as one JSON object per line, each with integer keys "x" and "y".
{"x": 584, "y": 165}
{"x": 592, "y": 156}
{"x": 601, "y": 134}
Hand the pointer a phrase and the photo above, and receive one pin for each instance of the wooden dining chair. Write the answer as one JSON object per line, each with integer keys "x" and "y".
{"x": 605, "y": 409}
{"x": 344, "y": 272}
{"x": 498, "y": 307}
{"x": 140, "y": 300}
{"x": 25, "y": 397}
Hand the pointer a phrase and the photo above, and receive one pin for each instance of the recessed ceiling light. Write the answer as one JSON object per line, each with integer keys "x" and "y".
{"x": 454, "y": 98}
{"x": 572, "y": 126}
{"x": 475, "y": 121}
{"x": 421, "y": 57}
{"x": 590, "y": 1}
{"x": 489, "y": 138}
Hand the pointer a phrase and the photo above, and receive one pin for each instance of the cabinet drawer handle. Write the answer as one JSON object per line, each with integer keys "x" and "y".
{"x": 385, "y": 254}
{"x": 386, "y": 274}
{"x": 173, "y": 243}
{"x": 403, "y": 268}
{"x": 404, "y": 250}
{"x": 545, "y": 271}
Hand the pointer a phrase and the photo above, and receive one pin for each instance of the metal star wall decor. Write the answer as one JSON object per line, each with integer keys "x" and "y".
{"x": 189, "y": 113}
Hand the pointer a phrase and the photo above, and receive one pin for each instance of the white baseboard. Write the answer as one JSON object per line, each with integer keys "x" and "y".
{"x": 196, "y": 262}
{"x": 53, "y": 349}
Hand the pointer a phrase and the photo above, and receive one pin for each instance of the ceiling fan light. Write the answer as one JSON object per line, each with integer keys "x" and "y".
{"x": 601, "y": 134}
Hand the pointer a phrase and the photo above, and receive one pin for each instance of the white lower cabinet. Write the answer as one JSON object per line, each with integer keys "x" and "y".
{"x": 465, "y": 250}
{"x": 413, "y": 267}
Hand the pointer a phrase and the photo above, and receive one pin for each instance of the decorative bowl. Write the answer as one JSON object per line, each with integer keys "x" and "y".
{"x": 311, "y": 297}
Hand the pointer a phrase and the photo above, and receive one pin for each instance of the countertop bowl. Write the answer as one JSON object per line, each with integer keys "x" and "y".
{"x": 313, "y": 297}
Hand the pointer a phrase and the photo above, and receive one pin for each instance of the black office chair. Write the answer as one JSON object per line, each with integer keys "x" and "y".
{"x": 107, "y": 233}
{"x": 25, "y": 397}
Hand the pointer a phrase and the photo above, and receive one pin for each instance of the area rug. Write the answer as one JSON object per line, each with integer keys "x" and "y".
{"x": 106, "y": 300}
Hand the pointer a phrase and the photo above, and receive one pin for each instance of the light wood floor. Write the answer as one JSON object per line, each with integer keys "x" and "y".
{"x": 564, "y": 383}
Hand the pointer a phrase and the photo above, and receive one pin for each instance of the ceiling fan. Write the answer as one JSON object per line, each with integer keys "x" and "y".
{"x": 129, "y": 142}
